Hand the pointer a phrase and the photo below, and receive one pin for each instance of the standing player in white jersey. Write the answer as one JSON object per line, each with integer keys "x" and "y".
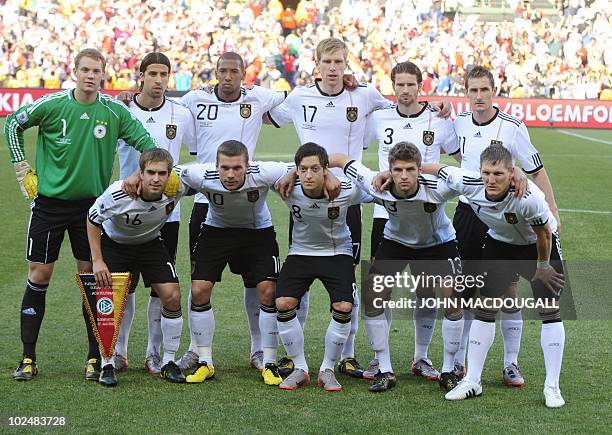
{"x": 124, "y": 236}
{"x": 417, "y": 233}
{"x": 229, "y": 112}
{"x": 238, "y": 230}
{"x": 320, "y": 249}
{"x": 521, "y": 240}
{"x": 172, "y": 126}
{"x": 486, "y": 125}
{"x": 417, "y": 123}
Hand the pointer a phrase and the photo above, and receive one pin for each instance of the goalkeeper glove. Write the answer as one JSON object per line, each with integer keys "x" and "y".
{"x": 28, "y": 181}
{"x": 173, "y": 186}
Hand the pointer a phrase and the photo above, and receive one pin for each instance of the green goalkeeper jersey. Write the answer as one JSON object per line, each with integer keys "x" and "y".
{"x": 75, "y": 149}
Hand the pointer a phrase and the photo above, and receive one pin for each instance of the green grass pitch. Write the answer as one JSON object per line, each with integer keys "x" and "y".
{"x": 238, "y": 402}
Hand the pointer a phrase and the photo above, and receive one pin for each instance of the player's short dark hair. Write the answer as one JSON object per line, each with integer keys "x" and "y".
{"x": 233, "y": 148}
{"x": 477, "y": 72}
{"x": 406, "y": 152}
{"x": 407, "y": 68}
{"x": 312, "y": 149}
{"x": 155, "y": 155}
{"x": 231, "y": 55}
{"x": 154, "y": 58}
{"x": 92, "y": 53}
{"x": 497, "y": 153}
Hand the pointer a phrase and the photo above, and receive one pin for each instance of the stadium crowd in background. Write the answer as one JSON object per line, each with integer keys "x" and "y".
{"x": 559, "y": 57}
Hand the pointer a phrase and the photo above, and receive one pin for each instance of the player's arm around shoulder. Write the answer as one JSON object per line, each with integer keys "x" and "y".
{"x": 463, "y": 182}
{"x": 131, "y": 129}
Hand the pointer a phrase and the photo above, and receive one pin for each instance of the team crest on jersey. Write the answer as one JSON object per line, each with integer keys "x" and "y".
{"x": 333, "y": 212}
{"x": 428, "y": 137}
{"x": 99, "y": 131}
{"x": 429, "y": 207}
{"x": 496, "y": 142}
{"x": 171, "y": 131}
{"x": 245, "y": 110}
{"x": 169, "y": 207}
{"x": 511, "y": 218}
{"x": 253, "y": 195}
{"x": 351, "y": 114}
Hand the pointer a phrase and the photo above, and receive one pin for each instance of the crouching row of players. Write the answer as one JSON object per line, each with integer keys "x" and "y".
{"x": 238, "y": 231}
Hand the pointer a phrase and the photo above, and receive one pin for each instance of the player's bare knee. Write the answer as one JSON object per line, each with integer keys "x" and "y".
{"x": 453, "y": 313}
{"x": 286, "y": 303}
{"x": 40, "y": 273}
{"x": 201, "y": 291}
{"x": 342, "y": 306}
{"x": 424, "y": 293}
{"x": 266, "y": 291}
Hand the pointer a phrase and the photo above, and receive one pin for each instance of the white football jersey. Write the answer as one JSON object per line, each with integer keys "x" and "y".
{"x": 425, "y": 129}
{"x": 418, "y": 221}
{"x": 510, "y": 219}
{"x": 218, "y": 120}
{"x": 131, "y": 221}
{"x": 319, "y": 225}
{"x": 171, "y": 125}
{"x": 335, "y": 122}
{"x": 504, "y": 130}
{"x": 244, "y": 207}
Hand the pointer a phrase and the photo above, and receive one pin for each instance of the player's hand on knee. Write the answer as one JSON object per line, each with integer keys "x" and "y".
{"x": 27, "y": 178}
{"x": 132, "y": 185}
{"x": 284, "y": 186}
{"x": 444, "y": 108}
{"x": 331, "y": 186}
{"x": 102, "y": 274}
{"x": 382, "y": 181}
{"x": 350, "y": 81}
{"x": 125, "y": 97}
{"x": 551, "y": 279}
{"x": 519, "y": 181}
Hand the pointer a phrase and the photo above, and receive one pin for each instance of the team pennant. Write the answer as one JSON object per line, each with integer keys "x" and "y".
{"x": 105, "y": 307}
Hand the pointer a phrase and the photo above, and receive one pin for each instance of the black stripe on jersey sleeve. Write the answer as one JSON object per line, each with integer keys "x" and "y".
{"x": 509, "y": 118}
{"x": 274, "y": 123}
{"x": 456, "y": 152}
{"x": 193, "y": 153}
{"x": 442, "y": 173}
{"x": 94, "y": 222}
{"x": 538, "y": 223}
{"x": 120, "y": 196}
{"x": 349, "y": 170}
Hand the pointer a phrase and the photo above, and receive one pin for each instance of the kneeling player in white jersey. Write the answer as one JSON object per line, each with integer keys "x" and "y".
{"x": 124, "y": 235}
{"x": 238, "y": 230}
{"x": 320, "y": 249}
{"x": 172, "y": 126}
{"x": 521, "y": 240}
{"x": 419, "y": 234}
{"x": 477, "y": 129}
{"x": 417, "y": 123}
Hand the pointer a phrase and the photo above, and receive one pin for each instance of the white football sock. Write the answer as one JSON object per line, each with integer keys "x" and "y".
{"x": 468, "y": 317}
{"x": 154, "y": 335}
{"x": 202, "y": 325}
{"x": 349, "y": 347}
{"x": 451, "y": 335}
{"x": 121, "y": 347}
{"x": 482, "y": 335}
{"x": 552, "y": 340}
{"x": 335, "y": 337}
{"x": 511, "y": 327}
{"x": 424, "y": 325}
{"x": 171, "y": 331}
{"x": 292, "y": 337}
{"x": 302, "y": 313}
{"x": 193, "y": 347}
{"x": 106, "y": 362}
{"x": 378, "y": 333}
{"x": 251, "y": 307}
{"x": 269, "y": 335}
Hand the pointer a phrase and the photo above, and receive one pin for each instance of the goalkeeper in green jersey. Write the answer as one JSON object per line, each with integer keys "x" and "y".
{"x": 75, "y": 152}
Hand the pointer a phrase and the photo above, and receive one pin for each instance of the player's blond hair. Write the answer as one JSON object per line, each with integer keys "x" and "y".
{"x": 494, "y": 154}
{"x": 329, "y": 45}
{"x": 91, "y": 53}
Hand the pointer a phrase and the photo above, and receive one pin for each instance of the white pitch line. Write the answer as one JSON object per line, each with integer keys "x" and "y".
{"x": 573, "y": 210}
{"x": 582, "y": 136}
